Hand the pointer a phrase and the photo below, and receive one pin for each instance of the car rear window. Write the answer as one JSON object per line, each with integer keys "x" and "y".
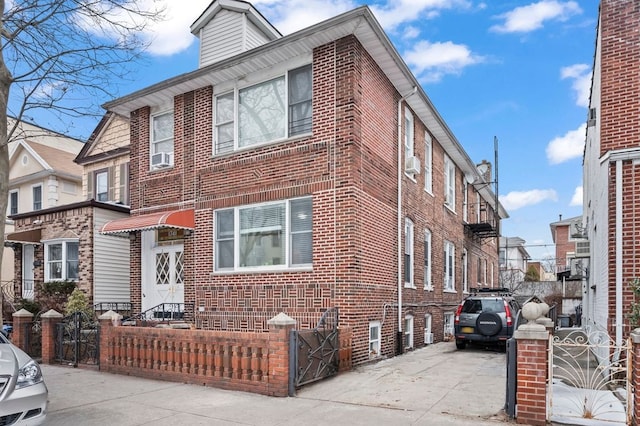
{"x": 476, "y": 306}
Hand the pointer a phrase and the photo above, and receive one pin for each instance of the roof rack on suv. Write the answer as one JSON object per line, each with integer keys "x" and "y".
{"x": 501, "y": 291}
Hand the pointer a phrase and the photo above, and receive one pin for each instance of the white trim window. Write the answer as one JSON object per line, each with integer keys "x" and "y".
{"x": 465, "y": 271}
{"x": 61, "y": 260}
{"x": 448, "y": 325}
{"x": 465, "y": 202}
{"x": 36, "y": 191}
{"x": 408, "y": 137}
{"x": 449, "y": 267}
{"x": 375, "y": 341}
{"x": 269, "y": 111}
{"x": 428, "y": 284}
{"x": 449, "y": 183}
{"x": 13, "y": 202}
{"x": 264, "y": 236}
{"x": 162, "y": 134}
{"x": 408, "y": 253}
{"x": 428, "y": 333}
{"x": 428, "y": 163}
{"x": 408, "y": 331}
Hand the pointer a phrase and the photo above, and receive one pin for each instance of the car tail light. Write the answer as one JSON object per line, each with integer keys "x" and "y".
{"x": 457, "y": 318}
{"x": 507, "y": 312}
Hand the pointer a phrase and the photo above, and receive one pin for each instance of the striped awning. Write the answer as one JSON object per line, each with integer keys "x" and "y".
{"x": 181, "y": 219}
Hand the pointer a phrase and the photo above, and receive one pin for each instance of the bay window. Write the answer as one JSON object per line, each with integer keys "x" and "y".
{"x": 61, "y": 261}
{"x": 264, "y": 236}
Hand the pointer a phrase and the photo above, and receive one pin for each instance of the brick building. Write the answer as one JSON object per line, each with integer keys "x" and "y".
{"x": 611, "y": 168}
{"x": 298, "y": 173}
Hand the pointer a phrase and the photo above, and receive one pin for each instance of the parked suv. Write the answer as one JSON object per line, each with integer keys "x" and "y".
{"x": 487, "y": 315}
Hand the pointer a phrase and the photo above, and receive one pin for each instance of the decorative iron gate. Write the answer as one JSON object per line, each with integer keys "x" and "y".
{"x": 32, "y": 333}
{"x": 313, "y": 354}
{"x": 77, "y": 340}
{"x": 589, "y": 377}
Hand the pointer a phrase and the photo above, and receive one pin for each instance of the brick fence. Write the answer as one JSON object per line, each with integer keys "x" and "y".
{"x": 255, "y": 362}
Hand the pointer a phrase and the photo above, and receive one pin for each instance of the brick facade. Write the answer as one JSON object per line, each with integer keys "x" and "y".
{"x": 349, "y": 169}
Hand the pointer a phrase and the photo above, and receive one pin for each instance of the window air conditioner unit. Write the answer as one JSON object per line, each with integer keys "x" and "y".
{"x": 428, "y": 338}
{"x": 582, "y": 248}
{"x": 412, "y": 165}
{"x": 161, "y": 159}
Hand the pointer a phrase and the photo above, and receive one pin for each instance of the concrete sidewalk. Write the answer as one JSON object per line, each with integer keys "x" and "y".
{"x": 435, "y": 385}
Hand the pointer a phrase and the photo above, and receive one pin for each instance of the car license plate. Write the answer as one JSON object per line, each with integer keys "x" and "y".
{"x": 467, "y": 329}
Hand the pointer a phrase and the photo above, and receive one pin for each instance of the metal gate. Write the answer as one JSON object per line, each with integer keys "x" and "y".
{"x": 313, "y": 354}
{"x": 77, "y": 340}
{"x": 32, "y": 333}
{"x": 589, "y": 377}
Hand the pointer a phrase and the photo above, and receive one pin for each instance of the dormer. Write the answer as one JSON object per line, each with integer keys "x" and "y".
{"x": 229, "y": 27}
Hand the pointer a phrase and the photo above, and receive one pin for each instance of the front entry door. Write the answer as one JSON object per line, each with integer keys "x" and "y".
{"x": 164, "y": 282}
{"x": 27, "y": 271}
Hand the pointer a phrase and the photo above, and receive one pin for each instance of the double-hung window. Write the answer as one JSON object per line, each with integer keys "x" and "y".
{"x": 61, "y": 260}
{"x": 408, "y": 253}
{"x": 465, "y": 271}
{"x": 408, "y": 139}
{"x": 408, "y": 331}
{"x": 449, "y": 266}
{"x": 428, "y": 285}
{"x": 374, "y": 339}
{"x": 264, "y": 236}
{"x": 265, "y": 112}
{"x": 162, "y": 137}
{"x": 37, "y": 197}
{"x": 102, "y": 185}
{"x": 13, "y": 202}
{"x": 428, "y": 163}
{"x": 449, "y": 183}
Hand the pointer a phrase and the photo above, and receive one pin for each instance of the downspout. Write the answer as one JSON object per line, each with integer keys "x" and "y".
{"x": 400, "y": 346}
{"x": 618, "y": 252}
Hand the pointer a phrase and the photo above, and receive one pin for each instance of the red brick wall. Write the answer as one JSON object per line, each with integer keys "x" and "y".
{"x": 620, "y": 128}
{"x": 563, "y": 246}
{"x": 349, "y": 168}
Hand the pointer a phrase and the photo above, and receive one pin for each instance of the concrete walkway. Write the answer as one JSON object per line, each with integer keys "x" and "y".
{"x": 435, "y": 385}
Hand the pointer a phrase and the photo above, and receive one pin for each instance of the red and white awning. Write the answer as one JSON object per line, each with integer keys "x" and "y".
{"x": 180, "y": 219}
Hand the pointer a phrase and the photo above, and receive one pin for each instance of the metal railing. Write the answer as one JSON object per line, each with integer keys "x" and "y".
{"x": 165, "y": 312}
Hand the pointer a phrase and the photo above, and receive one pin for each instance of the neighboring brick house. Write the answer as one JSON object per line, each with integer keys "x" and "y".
{"x": 62, "y": 242}
{"x": 611, "y": 168}
{"x": 294, "y": 174}
{"x": 41, "y": 175}
{"x": 571, "y": 246}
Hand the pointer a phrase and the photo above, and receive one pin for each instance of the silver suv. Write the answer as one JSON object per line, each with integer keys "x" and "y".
{"x": 488, "y": 315}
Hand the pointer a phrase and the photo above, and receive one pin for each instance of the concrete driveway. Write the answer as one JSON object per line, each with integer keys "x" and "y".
{"x": 434, "y": 385}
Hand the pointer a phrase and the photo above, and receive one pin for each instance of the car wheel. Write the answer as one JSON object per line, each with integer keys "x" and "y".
{"x": 489, "y": 324}
{"x": 461, "y": 344}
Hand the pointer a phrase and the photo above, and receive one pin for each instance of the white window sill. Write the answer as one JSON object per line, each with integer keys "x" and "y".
{"x": 428, "y": 288}
{"x": 449, "y": 208}
{"x": 263, "y": 270}
{"x": 411, "y": 177}
{"x": 450, "y": 291}
{"x": 409, "y": 285}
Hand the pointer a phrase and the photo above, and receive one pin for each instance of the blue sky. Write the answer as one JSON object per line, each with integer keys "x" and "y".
{"x": 517, "y": 70}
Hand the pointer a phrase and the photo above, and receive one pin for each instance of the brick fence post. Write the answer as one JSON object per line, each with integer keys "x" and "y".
{"x": 635, "y": 378}
{"x": 280, "y": 327}
{"x": 49, "y": 321}
{"x": 21, "y": 328}
{"x": 108, "y": 320}
{"x": 532, "y": 341}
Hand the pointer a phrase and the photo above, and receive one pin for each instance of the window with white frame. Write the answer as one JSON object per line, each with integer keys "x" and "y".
{"x": 408, "y": 135}
{"x": 465, "y": 271}
{"x": 101, "y": 180}
{"x": 449, "y": 183}
{"x": 162, "y": 134}
{"x": 428, "y": 333}
{"x": 465, "y": 202}
{"x": 408, "y": 331}
{"x": 61, "y": 260}
{"x": 265, "y": 112}
{"x": 428, "y": 163}
{"x": 448, "y": 325}
{"x": 374, "y": 339}
{"x": 484, "y": 271}
{"x": 428, "y": 284}
{"x": 264, "y": 236}
{"x": 492, "y": 272}
{"x": 479, "y": 270}
{"x": 449, "y": 266}
{"x": 37, "y": 197}
{"x": 408, "y": 253}
{"x": 13, "y": 202}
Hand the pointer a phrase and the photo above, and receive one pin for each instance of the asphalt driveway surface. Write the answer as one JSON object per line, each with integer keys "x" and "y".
{"x": 434, "y": 385}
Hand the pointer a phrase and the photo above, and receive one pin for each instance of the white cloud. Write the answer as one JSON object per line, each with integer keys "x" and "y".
{"x": 576, "y": 200}
{"x": 515, "y": 200}
{"x": 410, "y": 32}
{"x": 431, "y": 61}
{"x": 581, "y": 76}
{"x": 173, "y": 35}
{"x": 567, "y": 147}
{"x": 292, "y": 15}
{"x": 528, "y": 18}
{"x": 394, "y": 13}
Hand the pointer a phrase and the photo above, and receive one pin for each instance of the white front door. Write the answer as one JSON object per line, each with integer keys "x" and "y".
{"x": 27, "y": 271}
{"x": 163, "y": 278}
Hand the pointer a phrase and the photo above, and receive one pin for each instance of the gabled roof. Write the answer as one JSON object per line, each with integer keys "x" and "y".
{"x": 100, "y": 146}
{"x": 50, "y": 159}
{"x": 237, "y": 6}
{"x": 359, "y": 22}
